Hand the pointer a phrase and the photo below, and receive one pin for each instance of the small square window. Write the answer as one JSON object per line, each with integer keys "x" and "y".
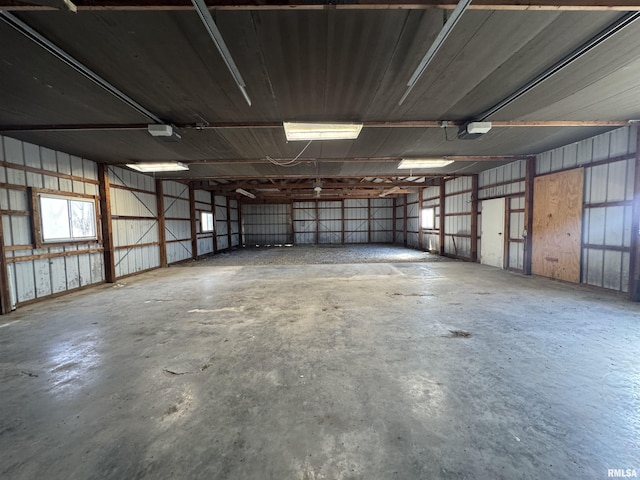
{"x": 206, "y": 222}
{"x": 429, "y": 219}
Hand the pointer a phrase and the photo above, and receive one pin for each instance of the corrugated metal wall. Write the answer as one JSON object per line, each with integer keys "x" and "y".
{"x": 356, "y": 221}
{"x": 222, "y": 223}
{"x": 381, "y": 215}
{"x": 431, "y": 238}
{"x": 457, "y": 217}
{"x": 322, "y": 222}
{"x": 304, "y": 222}
{"x": 234, "y": 222}
{"x": 507, "y": 181}
{"x": 40, "y": 272}
{"x": 412, "y": 220}
{"x": 268, "y": 224}
{"x": 177, "y": 221}
{"x": 400, "y": 220}
{"x": 330, "y": 222}
{"x": 205, "y": 239}
{"x": 608, "y": 161}
{"x": 134, "y": 213}
{"x": 34, "y": 273}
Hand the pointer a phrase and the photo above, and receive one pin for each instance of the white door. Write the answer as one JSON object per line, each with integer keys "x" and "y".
{"x": 492, "y": 234}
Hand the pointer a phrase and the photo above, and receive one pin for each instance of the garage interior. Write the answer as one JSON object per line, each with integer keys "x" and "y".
{"x": 312, "y": 240}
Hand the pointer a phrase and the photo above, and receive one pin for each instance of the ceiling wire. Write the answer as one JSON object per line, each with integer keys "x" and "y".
{"x": 289, "y": 163}
{"x": 446, "y": 135}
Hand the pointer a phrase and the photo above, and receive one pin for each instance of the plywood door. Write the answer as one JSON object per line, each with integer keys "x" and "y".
{"x": 493, "y": 233}
{"x": 557, "y": 225}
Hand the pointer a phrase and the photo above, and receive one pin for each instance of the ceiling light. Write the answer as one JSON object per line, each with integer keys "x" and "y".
{"x": 147, "y": 167}
{"x": 242, "y": 191}
{"x": 409, "y": 163}
{"x": 321, "y": 131}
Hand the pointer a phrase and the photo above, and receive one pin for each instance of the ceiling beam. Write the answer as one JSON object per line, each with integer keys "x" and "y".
{"x": 154, "y": 5}
{"x": 284, "y": 187}
{"x": 459, "y": 158}
{"x": 103, "y": 127}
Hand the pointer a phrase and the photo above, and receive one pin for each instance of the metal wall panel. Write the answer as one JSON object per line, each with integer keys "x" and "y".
{"x": 413, "y": 239}
{"x": 221, "y": 215}
{"x": 205, "y": 239}
{"x": 304, "y": 222}
{"x": 266, "y": 224}
{"x": 608, "y": 196}
{"x": 29, "y": 278}
{"x": 177, "y": 224}
{"x": 130, "y": 233}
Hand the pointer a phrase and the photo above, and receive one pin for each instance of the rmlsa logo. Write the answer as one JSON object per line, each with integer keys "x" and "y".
{"x": 622, "y": 473}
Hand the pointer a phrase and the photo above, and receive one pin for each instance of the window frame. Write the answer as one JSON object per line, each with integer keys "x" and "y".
{"x": 36, "y": 218}
{"x": 202, "y": 230}
{"x": 433, "y": 218}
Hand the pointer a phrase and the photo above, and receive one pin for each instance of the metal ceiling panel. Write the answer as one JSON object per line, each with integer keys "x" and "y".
{"x": 37, "y": 88}
{"x": 331, "y": 65}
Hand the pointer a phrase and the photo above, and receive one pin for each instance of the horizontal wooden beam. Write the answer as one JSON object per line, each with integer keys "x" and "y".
{"x": 104, "y": 127}
{"x": 154, "y": 5}
{"x": 239, "y": 178}
{"x": 268, "y": 188}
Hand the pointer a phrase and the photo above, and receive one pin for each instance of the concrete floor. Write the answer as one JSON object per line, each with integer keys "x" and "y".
{"x": 335, "y": 371}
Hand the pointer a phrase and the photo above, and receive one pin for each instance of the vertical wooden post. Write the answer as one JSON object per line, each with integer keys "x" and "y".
{"x": 342, "y": 209}
{"x": 530, "y": 173}
{"x": 441, "y": 232}
{"x": 292, "y": 225}
{"x": 5, "y": 295}
{"x": 369, "y": 220}
{"x": 634, "y": 267}
{"x": 240, "y": 227}
{"x": 215, "y": 225}
{"x": 405, "y": 232}
{"x": 194, "y": 229}
{"x": 393, "y": 220}
{"x": 162, "y": 233}
{"x": 506, "y": 233}
{"x": 317, "y": 224}
{"x": 420, "y": 232}
{"x": 474, "y": 218}
{"x": 229, "y": 236}
{"x": 104, "y": 190}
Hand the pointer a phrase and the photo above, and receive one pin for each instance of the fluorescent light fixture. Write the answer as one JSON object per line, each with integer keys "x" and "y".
{"x": 410, "y": 163}
{"x": 321, "y": 131}
{"x": 242, "y": 191}
{"x": 147, "y": 167}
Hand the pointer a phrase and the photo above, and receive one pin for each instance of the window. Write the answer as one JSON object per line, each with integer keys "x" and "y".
{"x": 64, "y": 219}
{"x": 429, "y": 219}
{"x": 206, "y": 222}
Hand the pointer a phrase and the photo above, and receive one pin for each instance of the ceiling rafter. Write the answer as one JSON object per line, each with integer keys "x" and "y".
{"x": 151, "y": 5}
{"x": 309, "y": 184}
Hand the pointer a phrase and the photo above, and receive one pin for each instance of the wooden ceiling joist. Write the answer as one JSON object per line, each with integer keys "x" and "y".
{"x": 151, "y": 5}
{"x": 261, "y": 187}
